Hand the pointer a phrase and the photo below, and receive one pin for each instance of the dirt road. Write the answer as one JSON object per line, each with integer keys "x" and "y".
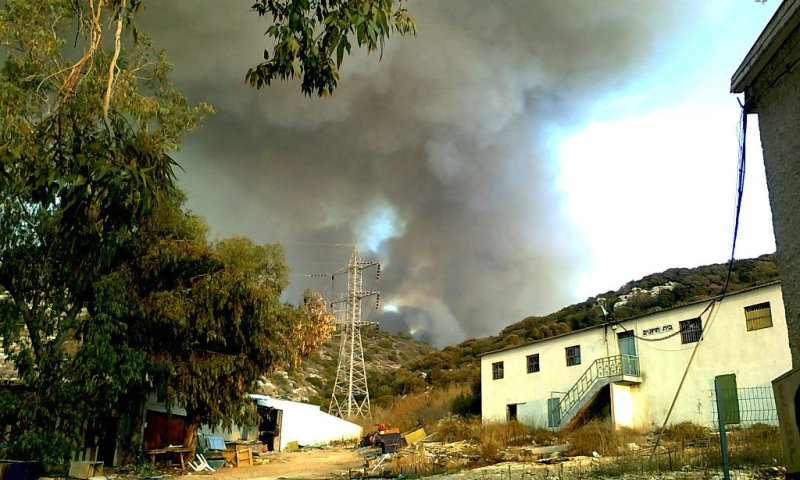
{"x": 314, "y": 464}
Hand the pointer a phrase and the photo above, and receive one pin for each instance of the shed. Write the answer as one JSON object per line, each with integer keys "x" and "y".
{"x": 305, "y": 424}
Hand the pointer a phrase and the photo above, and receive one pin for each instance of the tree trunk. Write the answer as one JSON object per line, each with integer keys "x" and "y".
{"x": 131, "y": 432}
{"x": 193, "y": 423}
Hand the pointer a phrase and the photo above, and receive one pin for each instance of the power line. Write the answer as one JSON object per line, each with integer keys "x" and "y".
{"x": 741, "y": 162}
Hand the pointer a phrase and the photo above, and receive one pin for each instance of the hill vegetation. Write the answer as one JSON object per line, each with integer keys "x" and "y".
{"x": 402, "y": 366}
{"x": 387, "y": 356}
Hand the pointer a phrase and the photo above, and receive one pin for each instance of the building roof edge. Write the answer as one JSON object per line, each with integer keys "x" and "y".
{"x": 772, "y": 37}
{"x": 637, "y": 317}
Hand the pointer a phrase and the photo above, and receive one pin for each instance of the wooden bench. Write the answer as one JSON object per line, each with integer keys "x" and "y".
{"x": 183, "y": 453}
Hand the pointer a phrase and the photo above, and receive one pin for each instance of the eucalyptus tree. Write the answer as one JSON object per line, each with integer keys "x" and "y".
{"x": 209, "y": 317}
{"x": 99, "y": 302}
{"x": 86, "y": 128}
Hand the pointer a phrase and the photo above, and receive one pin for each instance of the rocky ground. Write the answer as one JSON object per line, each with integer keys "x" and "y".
{"x": 349, "y": 463}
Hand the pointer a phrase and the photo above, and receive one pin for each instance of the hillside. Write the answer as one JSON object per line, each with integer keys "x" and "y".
{"x": 399, "y": 365}
{"x": 385, "y": 355}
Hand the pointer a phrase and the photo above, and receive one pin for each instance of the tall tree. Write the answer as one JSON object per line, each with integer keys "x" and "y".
{"x": 88, "y": 119}
{"x": 208, "y": 317}
{"x": 85, "y": 133}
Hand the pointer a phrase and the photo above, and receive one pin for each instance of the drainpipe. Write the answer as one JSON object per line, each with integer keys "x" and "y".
{"x": 601, "y": 302}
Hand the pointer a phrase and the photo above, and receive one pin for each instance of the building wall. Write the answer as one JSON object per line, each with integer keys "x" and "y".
{"x": 779, "y": 119}
{"x": 756, "y": 357}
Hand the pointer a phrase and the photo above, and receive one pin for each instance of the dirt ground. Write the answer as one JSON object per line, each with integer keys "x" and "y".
{"x": 336, "y": 463}
{"x": 313, "y": 464}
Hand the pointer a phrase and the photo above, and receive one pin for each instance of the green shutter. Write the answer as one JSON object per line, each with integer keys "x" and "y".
{"x": 730, "y": 398}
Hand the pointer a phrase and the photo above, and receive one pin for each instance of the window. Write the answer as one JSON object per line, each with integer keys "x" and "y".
{"x": 573, "y": 355}
{"x": 758, "y": 316}
{"x": 691, "y": 330}
{"x": 533, "y": 363}
{"x": 497, "y": 370}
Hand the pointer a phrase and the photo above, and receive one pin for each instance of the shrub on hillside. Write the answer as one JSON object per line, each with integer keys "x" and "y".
{"x": 468, "y": 403}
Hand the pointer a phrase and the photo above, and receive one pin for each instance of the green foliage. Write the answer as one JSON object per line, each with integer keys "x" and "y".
{"x": 468, "y": 403}
{"x": 311, "y": 38}
{"x": 210, "y": 318}
{"x": 110, "y": 289}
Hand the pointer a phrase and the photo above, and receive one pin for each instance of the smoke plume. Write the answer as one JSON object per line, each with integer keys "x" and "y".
{"x": 437, "y": 159}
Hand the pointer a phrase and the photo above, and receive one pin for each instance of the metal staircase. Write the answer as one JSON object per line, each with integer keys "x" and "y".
{"x": 618, "y": 368}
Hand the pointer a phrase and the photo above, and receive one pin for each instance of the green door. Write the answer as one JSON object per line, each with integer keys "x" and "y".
{"x": 627, "y": 350}
{"x": 627, "y": 343}
{"x": 553, "y": 412}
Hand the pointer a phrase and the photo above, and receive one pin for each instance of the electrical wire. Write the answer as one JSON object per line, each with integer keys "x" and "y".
{"x": 372, "y": 310}
{"x": 742, "y": 140}
{"x": 674, "y": 334}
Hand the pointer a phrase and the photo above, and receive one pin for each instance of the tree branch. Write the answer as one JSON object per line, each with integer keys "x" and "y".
{"x": 112, "y": 67}
{"x": 29, "y": 317}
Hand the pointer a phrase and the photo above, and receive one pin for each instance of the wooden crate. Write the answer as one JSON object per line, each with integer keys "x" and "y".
{"x": 85, "y": 469}
{"x": 244, "y": 456}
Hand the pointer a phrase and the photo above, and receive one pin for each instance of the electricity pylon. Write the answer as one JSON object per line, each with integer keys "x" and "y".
{"x": 350, "y": 395}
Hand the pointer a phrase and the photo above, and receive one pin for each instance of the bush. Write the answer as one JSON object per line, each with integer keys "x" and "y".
{"x": 316, "y": 381}
{"x": 468, "y": 403}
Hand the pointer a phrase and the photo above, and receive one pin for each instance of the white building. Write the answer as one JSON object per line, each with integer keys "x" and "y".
{"x": 632, "y": 368}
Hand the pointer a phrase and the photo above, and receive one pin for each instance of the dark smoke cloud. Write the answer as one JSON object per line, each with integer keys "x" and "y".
{"x": 452, "y": 133}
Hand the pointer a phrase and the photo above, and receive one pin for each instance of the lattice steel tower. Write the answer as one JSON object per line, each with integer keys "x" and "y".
{"x": 350, "y": 395}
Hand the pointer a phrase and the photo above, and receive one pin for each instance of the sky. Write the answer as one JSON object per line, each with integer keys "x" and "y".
{"x": 511, "y": 159}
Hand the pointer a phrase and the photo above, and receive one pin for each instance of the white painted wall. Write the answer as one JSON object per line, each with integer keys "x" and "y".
{"x": 622, "y": 405}
{"x": 307, "y": 424}
{"x": 755, "y": 357}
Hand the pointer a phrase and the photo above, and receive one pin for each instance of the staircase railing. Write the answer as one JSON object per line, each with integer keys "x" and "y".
{"x": 601, "y": 368}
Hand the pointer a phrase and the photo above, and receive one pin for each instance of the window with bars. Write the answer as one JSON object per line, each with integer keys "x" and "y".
{"x": 758, "y": 316}
{"x": 533, "y": 363}
{"x": 497, "y": 370}
{"x": 691, "y": 330}
{"x": 573, "y": 355}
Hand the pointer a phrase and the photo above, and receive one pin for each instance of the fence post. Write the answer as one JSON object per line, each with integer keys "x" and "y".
{"x": 723, "y": 439}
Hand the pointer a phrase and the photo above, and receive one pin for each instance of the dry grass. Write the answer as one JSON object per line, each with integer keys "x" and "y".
{"x": 599, "y": 436}
{"x": 691, "y": 446}
{"x": 496, "y": 435}
{"x": 756, "y": 445}
{"x": 430, "y": 406}
{"x": 687, "y": 433}
{"x": 684, "y": 447}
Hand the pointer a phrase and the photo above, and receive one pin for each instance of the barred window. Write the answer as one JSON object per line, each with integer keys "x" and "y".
{"x": 573, "y": 355}
{"x": 497, "y": 370}
{"x": 758, "y": 316}
{"x": 691, "y": 330}
{"x": 533, "y": 363}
